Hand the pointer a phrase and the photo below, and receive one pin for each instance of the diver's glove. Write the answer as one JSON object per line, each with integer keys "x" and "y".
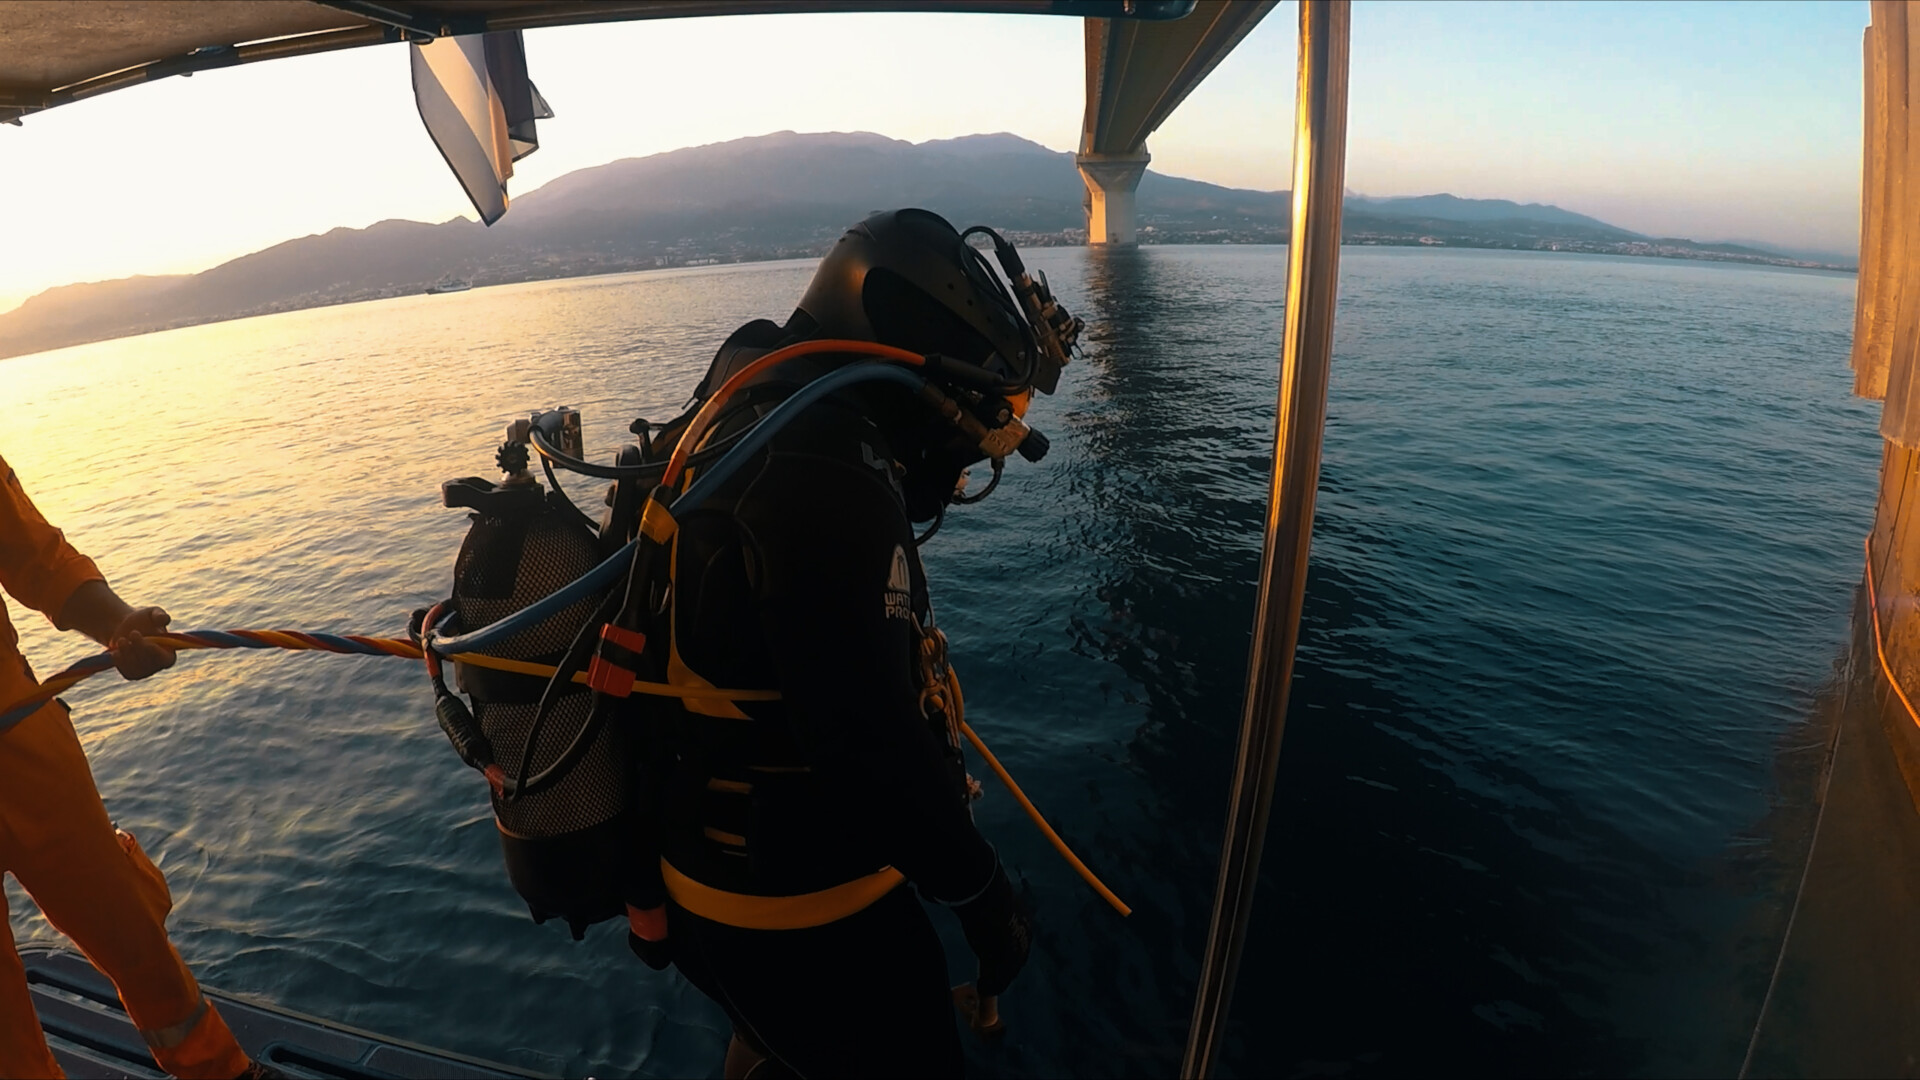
{"x": 999, "y": 933}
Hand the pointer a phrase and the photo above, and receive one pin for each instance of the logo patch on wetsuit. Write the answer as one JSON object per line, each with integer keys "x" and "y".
{"x": 899, "y": 586}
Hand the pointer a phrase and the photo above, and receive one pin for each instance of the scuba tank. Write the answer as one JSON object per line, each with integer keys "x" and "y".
{"x": 564, "y": 842}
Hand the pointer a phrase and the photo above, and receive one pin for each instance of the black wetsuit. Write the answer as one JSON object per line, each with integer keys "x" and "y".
{"x": 803, "y": 577}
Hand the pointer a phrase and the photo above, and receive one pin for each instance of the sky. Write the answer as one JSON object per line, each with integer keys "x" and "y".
{"x": 1712, "y": 121}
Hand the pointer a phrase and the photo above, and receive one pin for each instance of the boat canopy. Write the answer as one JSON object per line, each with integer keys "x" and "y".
{"x": 53, "y": 52}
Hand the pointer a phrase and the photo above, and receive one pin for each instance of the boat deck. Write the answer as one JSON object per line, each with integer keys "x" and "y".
{"x": 91, "y": 1036}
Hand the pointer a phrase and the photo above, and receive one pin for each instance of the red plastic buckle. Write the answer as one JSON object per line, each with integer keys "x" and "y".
{"x": 631, "y": 640}
{"x": 647, "y": 924}
{"x": 609, "y": 678}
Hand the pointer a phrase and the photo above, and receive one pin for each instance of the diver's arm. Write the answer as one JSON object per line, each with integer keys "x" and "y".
{"x": 844, "y": 665}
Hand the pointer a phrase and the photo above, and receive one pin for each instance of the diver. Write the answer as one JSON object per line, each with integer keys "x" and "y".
{"x": 788, "y": 830}
{"x": 764, "y": 769}
{"x": 91, "y": 880}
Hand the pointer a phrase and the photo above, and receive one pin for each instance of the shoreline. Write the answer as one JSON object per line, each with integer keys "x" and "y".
{"x": 1646, "y": 250}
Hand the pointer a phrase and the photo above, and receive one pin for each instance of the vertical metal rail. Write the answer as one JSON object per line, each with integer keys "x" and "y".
{"x": 1313, "y": 271}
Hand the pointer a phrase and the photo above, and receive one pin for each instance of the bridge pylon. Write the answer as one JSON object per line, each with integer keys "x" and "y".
{"x": 1137, "y": 74}
{"x": 1111, "y": 181}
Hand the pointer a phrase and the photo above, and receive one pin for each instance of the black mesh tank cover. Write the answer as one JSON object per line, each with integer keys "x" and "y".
{"x": 793, "y": 580}
{"x": 505, "y": 564}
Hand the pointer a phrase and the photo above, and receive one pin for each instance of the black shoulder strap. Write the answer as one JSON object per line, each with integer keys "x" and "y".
{"x": 752, "y": 340}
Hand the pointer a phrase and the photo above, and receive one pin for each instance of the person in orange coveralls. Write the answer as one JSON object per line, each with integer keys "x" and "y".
{"x": 92, "y": 881}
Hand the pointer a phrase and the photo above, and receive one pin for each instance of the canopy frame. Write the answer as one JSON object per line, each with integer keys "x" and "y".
{"x": 375, "y": 22}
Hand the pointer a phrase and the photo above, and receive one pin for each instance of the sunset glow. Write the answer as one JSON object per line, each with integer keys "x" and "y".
{"x": 1713, "y": 121}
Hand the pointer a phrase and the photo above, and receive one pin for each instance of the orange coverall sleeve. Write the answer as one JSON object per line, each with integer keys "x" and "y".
{"x": 37, "y": 565}
{"x": 93, "y": 884}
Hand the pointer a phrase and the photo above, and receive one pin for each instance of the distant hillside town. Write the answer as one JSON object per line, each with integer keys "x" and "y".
{"x": 716, "y": 203}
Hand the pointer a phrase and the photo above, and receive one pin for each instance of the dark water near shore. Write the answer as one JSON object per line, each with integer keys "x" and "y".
{"x": 1587, "y": 535}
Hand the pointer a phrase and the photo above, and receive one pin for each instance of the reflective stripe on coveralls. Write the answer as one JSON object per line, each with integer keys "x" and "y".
{"x": 95, "y": 885}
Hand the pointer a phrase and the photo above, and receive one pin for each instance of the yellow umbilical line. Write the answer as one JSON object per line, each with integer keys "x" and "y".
{"x": 1873, "y": 614}
{"x": 360, "y": 645}
{"x": 1033, "y": 812}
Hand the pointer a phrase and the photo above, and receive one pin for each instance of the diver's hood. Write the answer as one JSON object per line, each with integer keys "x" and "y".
{"x": 906, "y": 278}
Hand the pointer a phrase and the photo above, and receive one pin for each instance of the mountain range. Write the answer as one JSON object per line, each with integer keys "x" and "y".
{"x": 784, "y": 195}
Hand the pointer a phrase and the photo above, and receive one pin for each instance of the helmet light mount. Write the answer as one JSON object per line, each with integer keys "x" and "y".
{"x": 1055, "y": 329}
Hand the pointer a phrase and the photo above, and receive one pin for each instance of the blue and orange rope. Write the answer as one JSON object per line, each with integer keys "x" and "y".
{"x": 346, "y": 644}
{"x": 362, "y": 645}
{"x": 296, "y": 640}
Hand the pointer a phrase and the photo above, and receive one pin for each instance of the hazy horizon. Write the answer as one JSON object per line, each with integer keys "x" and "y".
{"x": 1715, "y": 122}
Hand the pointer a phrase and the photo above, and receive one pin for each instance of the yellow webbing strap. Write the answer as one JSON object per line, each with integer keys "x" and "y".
{"x": 657, "y": 523}
{"x": 703, "y": 702}
{"x": 779, "y": 912}
{"x": 522, "y": 667}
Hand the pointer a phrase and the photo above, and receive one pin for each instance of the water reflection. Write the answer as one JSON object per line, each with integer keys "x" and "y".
{"x": 1579, "y": 561}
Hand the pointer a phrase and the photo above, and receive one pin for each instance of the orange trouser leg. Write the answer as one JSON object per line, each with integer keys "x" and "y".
{"x": 97, "y": 887}
{"x": 23, "y": 1048}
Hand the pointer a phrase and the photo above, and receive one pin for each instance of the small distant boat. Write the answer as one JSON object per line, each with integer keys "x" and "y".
{"x": 449, "y": 284}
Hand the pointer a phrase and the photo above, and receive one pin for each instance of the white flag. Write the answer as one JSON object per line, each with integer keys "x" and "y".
{"x": 479, "y": 107}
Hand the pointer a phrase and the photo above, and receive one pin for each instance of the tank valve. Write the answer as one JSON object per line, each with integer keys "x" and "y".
{"x": 513, "y": 455}
{"x": 512, "y": 458}
{"x": 561, "y": 427}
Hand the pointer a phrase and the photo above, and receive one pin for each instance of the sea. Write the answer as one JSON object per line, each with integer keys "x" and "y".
{"x": 1588, "y": 534}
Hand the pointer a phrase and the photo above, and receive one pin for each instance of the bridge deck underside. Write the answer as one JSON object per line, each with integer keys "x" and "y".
{"x": 1138, "y": 73}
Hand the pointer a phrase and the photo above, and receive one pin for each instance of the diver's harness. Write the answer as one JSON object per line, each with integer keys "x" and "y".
{"x": 569, "y": 843}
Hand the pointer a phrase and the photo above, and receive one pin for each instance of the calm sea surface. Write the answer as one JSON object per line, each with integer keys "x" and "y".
{"x": 1588, "y": 531}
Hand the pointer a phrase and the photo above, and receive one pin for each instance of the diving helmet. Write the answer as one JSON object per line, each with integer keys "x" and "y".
{"x": 909, "y": 279}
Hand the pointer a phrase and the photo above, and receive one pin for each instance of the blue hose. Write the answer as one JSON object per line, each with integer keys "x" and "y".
{"x": 710, "y": 480}
{"x": 763, "y": 432}
{"x": 533, "y": 614}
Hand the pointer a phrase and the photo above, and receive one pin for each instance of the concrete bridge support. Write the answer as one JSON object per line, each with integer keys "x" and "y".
{"x": 1111, "y": 180}
{"x": 1137, "y": 74}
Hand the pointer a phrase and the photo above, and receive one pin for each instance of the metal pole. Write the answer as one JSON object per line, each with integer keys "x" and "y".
{"x": 1313, "y": 271}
